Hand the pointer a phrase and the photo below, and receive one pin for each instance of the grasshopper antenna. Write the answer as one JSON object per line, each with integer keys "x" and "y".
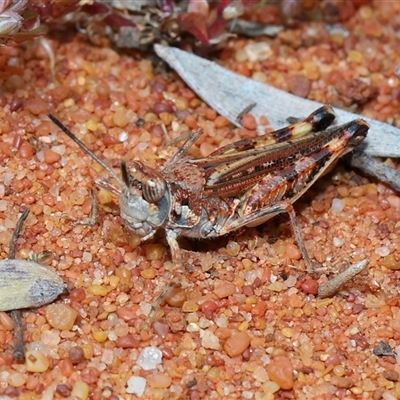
{"x": 84, "y": 147}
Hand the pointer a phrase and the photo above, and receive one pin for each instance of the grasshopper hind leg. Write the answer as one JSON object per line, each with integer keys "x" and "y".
{"x": 264, "y": 214}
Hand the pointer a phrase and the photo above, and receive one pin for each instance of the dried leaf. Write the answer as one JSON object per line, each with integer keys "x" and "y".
{"x": 25, "y": 284}
{"x": 230, "y": 93}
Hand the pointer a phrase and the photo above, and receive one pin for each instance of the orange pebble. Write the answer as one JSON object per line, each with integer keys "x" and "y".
{"x": 249, "y": 122}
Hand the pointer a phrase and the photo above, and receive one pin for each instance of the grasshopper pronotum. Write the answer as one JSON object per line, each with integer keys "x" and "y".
{"x": 242, "y": 184}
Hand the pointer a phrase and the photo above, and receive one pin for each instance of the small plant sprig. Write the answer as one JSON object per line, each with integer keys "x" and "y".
{"x": 190, "y": 24}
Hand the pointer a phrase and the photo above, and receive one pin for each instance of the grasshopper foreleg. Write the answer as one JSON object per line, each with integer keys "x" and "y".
{"x": 174, "y": 247}
{"x": 91, "y": 219}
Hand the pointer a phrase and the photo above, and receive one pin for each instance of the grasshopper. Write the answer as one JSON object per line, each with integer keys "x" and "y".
{"x": 239, "y": 185}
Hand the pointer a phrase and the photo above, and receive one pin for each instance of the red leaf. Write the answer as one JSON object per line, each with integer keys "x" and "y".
{"x": 95, "y": 8}
{"x": 217, "y": 27}
{"x": 116, "y": 20}
{"x": 196, "y": 24}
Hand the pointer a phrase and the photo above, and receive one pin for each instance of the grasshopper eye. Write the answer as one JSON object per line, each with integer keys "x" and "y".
{"x": 154, "y": 189}
{"x": 152, "y": 184}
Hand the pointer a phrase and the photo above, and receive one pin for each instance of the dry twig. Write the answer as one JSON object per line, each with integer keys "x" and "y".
{"x": 16, "y": 315}
{"x": 333, "y": 286}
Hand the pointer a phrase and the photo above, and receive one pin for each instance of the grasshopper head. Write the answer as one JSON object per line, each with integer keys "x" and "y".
{"x": 144, "y": 202}
{"x": 145, "y": 198}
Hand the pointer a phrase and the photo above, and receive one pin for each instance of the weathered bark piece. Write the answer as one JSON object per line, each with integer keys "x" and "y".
{"x": 230, "y": 93}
